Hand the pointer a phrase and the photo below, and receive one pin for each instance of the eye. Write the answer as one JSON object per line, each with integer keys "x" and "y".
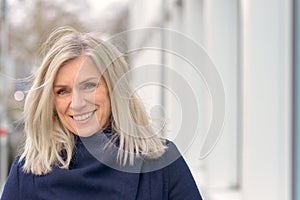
{"x": 62, "y": 92}
{"x": 89, "y": 86}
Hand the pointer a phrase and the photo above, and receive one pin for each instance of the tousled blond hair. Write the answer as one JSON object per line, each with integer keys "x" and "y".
{"x": 48, "y": 143}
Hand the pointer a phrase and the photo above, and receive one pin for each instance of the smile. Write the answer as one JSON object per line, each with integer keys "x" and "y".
{"x": 84, "y": 116}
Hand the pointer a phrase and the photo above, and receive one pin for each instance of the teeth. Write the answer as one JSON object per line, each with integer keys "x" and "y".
{"x": 83, "y": 117}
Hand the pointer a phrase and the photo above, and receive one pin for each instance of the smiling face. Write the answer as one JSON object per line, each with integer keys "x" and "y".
{"x": 81, "y": 97}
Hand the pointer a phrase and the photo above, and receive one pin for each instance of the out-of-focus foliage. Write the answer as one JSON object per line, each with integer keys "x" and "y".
{"x": 32, "y": 21}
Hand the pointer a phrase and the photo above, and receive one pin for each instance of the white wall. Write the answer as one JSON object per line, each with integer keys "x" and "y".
{"x": 267, "y": 52}
{"x": 214, "y": 25}
{"x": 251, "y": 45}
{"x": 221, "y": 41}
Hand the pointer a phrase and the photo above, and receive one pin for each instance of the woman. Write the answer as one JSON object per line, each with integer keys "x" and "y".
{"x": 87, "y": 135}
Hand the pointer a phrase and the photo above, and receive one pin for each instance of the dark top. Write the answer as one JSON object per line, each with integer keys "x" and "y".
{"x": 89, "y": 178}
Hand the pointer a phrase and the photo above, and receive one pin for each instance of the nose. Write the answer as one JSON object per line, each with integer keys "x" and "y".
{"x": 78, "y": 101}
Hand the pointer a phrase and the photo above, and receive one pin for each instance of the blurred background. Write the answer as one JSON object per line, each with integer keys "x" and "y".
{"x": 254, "y": 45}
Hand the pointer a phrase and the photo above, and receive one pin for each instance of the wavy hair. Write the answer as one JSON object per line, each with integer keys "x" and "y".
{"x": 48, "y": 143}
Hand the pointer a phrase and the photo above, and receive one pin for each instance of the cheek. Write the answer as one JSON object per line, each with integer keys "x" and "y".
{"x": 103, "y": 101}
{"x": 102, "y": 96}
{"x": 61, "y": 109}
{"x": 104, "y": 104}
{"x": 108, "y": 107}
{"x": 57, "y": 105}
{"x": 60, "y": 105}
{"x": 107, "y": 103}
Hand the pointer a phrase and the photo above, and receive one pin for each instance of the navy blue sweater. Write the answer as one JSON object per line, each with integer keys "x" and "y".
{"x": 89, "y": 178}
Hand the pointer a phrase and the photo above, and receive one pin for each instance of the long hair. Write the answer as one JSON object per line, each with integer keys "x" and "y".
{"x": 47, "y": 138}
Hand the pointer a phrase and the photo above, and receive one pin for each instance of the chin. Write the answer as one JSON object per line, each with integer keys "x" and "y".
{"x": 84, "y": 134}
{"x": 87, "y": 132}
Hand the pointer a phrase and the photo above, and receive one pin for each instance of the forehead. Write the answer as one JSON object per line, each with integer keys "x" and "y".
{"x": 77, "y": 70}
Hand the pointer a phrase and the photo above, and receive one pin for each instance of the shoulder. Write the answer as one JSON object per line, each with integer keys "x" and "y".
{"x": 16, "y": 166}
{"x": 181, "y": 183}
{"x": 168, "y": 157}
{"x": 178, "y": 180}
{"x": 19, "y": 184}
{"x": 11, "y": 188}
{"x": 176, "y": 160}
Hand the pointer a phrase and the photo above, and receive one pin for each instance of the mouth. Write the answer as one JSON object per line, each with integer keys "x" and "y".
{"x": 83, "y": 117}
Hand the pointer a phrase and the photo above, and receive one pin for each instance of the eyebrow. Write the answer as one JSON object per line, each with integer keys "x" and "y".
{"x": 84, "y": 81}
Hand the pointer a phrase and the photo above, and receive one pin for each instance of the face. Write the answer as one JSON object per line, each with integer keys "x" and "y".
{"x": 81, "y": 97}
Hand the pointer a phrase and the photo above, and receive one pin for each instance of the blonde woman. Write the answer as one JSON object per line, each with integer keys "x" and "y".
{"x": 87, "y": 135}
